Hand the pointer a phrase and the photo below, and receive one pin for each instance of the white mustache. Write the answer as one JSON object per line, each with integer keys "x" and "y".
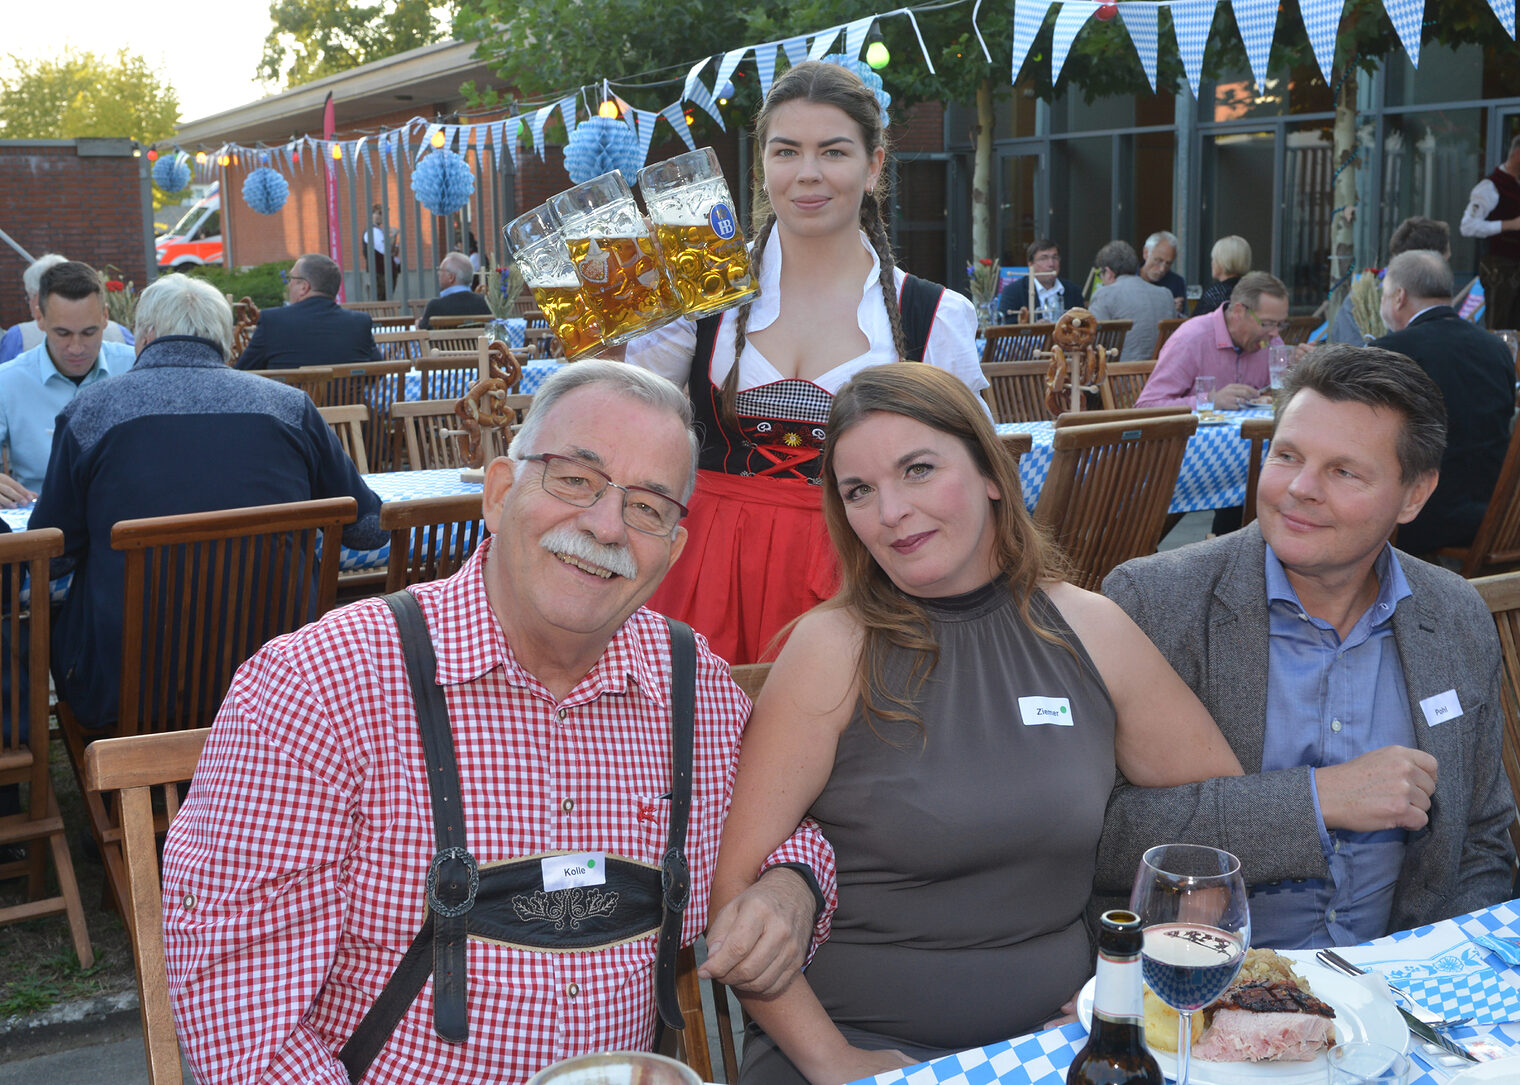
{"x": 577, "y": 544}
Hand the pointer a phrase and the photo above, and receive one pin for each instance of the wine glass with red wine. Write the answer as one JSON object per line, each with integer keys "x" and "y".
{"x": 1191, "y": 900}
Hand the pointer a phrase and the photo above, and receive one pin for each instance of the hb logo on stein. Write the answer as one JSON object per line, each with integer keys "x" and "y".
{"x": 721, "y": 219}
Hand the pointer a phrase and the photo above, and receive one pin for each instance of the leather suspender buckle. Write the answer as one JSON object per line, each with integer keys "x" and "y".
{"x": 470, "y": 886}
{"x": 675, "y": 880}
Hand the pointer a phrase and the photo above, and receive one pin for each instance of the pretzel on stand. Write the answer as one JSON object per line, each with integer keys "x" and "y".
{"x": 483, "y": 410}
{"x": 1077, "y": 363}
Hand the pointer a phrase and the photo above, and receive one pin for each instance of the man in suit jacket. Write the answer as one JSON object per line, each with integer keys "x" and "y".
{"x": 313, "y": 329}
{"x": 455, "y": 298}
{"x": 1358, "y": 686}
{"x": 1476, "y": 375}
{"x": 1051, "y": 292}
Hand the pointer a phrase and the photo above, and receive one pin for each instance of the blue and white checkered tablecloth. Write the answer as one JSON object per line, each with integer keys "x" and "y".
{"x": 533, "y": 377}
{"x": 403, "y": 486}
{"x": 1042, "y": 1058}
{"x": 1213, "y": 474}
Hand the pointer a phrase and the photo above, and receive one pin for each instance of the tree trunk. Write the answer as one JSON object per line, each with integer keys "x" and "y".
{"x": 981, "y": 176}
{"x": 1342, "y": 240}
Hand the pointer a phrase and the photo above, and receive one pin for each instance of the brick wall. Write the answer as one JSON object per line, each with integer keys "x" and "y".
{"x": 82, "y": 198}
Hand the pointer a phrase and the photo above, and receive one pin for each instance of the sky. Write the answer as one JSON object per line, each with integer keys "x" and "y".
{"x": 208, "y": 53}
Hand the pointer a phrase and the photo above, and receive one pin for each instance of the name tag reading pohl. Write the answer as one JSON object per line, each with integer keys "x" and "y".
{"x": 1441, "y": 707}
{"x": 574, "y": 871}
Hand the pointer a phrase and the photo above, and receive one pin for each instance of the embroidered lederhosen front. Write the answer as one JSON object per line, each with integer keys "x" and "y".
{"x": 506, "y": 901}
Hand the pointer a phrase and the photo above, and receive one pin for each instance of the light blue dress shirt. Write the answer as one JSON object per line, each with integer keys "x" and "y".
{"x": 1329, "y": 701}
{"x": 457, "y": 288}
{"x": 32, "y": 392}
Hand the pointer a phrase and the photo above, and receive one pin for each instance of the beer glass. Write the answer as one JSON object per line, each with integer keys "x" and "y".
{"x": 698, "y": 232}
{"x": 623, "y": 278}
{"x": 535, "y": 243}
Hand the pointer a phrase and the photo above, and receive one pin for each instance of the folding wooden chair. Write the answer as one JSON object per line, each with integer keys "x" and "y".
{"x": 1111, "y": 334}
{"x": 1502, "y": 594}
{"x": 447, "y": 374}
{"x": 401, "y": 346}
{"x": 462, "y": 339}
{"x": 347, "y": 423}
{"x": 427, "y": 424}
{"x": 123, "y": 773}
{"x": 431, "y": 537}
{"x": 374, "y": 308}
{"x": 1016, "y": 391}
{"x": 694, "y": 1045}
{"x": 312, "y": 379}
{"x": 1119, "y": 414}
{"x": 1106, "y": 495}
{"x": 1123, "y": 383}
{"x": 376, "y": 385}
{"x": 401, "y": 323}
{"x": 24, "y": 738}
{"x": 453, "y": 323}
{"x": 1258, "y": 431}
{"x": 1164, "y": 330}
{"x": 418, "y": 306}
{"x": 202, "y": 592}
{"x": 1015, "y": 342}
{"x": 1496, "y": 545}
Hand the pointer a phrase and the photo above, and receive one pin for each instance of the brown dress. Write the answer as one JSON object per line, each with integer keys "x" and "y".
{"x": 965, "y": 850}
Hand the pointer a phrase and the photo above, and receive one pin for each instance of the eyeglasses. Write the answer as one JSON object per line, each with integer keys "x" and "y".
{"x": 1267, "y": 325}
{"x": 580, "y": 484}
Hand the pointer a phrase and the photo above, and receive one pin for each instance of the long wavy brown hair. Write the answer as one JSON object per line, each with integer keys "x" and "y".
{"x": 826, "y": 84}
{"x": 1022, "y": 550}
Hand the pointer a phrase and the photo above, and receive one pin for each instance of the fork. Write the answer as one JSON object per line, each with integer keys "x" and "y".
{"x": 1332, "y": 959}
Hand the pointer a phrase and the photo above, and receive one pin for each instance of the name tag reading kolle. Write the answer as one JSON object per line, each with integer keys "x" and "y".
{"x": 574, "y": 871}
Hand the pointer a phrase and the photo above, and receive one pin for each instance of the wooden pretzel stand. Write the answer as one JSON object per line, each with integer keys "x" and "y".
{"x": 1077, "y": 363}
{"x": 485, "y": 419}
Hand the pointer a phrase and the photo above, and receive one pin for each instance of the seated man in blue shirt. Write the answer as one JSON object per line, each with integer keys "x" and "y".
{"x": 1358, "y": 686}
{"x": 28, "y": 334}
{"x": 38, "y": 383}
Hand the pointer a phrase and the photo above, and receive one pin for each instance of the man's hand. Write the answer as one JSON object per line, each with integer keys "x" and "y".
{"x": 13, "y": 494}
{"x": 1231, "y": 396}
{"x": 1389, "y": 788}
{"x": 758, "y": 942}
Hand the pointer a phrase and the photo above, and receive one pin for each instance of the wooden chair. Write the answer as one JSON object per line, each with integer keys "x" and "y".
{"x": 1106, "y": 494}
{"x": 374, "y": 308}
{"x": 202, "y": 592}
{"x": 447, "y": 375}
{"x": 431, "y": 537}
{"x": 462, "y": 339}
{"x": 425, "y": 423}
{"x": 693, "y": 1045}
{"x": 378, "y": 386}
{"x": 123, "y": 773}
{"x": 1015, "y": 342}
{"x": 1496, "y": 545}
{"x": 1502, "y": 594}
{"x": 1164, "y": 330}
{"x": 400, "y": 346}
{"x": 453, "y": 323}
{"x": 24, "y": 739}
{"x": 1299, "y": 329}
{"x": 1016, "y": 391}
{"x": 1118, "y": 414}
{"x": 1258, "y": 431}
{"x": 347, "y": 423}
{"x": 1111, "y": 333}
{"x": 1123, "y": 383}
{"x": 542, "y": 343}
{"x": 418, "y": 306}
{"x": 401, "y": 323}
{"x": 313, "y": 380}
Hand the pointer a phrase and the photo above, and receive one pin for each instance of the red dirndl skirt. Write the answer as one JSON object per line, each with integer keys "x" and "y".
{"x": 757, "y": 555}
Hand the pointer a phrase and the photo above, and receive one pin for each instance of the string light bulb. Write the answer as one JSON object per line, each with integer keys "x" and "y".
{"x": 608, "y": 109}
{"x": 337, "y": 152}
{"x": 438, "y": 138}
{"x": 152, "y": 154}
{"x": 200, "y": 158}
{"x": 225, "y": 160}
{"x": 877, "y": 54}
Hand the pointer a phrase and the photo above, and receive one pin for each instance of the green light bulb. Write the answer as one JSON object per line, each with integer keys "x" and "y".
{"x": 877, "y": 55}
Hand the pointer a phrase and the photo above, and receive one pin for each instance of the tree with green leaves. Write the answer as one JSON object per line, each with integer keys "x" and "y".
{"x": 314, "y": 38}
{"x": 79, "y": 95}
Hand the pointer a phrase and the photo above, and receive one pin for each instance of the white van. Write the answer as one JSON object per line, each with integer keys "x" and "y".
{"x": 196, "y": 239}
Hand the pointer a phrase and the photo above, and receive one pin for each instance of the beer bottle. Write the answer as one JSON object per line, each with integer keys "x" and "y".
{"x": 1116, "y": 1053}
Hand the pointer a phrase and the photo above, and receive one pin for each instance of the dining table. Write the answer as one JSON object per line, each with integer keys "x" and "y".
{"x": 1459, "y": 967}
{"x": 1213, "y": 472}
{"x": 533, "y": 376}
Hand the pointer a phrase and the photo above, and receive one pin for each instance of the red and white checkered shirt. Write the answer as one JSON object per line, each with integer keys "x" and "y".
{"x": 294, "y": 873}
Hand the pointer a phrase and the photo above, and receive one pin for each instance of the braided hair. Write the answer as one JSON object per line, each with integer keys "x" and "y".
{"x": 825, "y": 84}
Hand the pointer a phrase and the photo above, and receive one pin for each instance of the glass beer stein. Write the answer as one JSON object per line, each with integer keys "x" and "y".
{"x": 535, "y": 243}
{"x": 698, "y": 232}
{"x": 623, "y": 278}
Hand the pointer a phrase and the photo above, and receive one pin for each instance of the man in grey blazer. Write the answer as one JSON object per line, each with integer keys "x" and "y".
{"x": 1357, "y": 685}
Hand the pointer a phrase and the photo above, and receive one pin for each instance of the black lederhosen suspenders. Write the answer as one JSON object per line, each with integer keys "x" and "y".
{"x": 505, "y": 902}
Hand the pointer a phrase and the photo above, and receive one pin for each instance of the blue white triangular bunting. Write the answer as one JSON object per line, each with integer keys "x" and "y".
{"x": 1505, "y": 10}
{"x": 496, "y": 128}
{"x": 536, "y": 122}
{"x": 427, "y": 139}
{"x": 1191, "y": 20}
{"x": 645, "y": 132}
{"x": 765, "y": 64}
{"x": 697, "y": 93}
{"x": 676, "y": 118}
{"x": 728, "y": 64}
{"x": 1322, "y": 19}
{"x": 1408, "y": 21}
{"x": 1257, "y": 20}
{"x": 567, "y": 113}
{"x": 1140, "y": 21}
{"x": 796, "y": 49}
{"x": 855, "y": 37}
{"x": 822, "y": 43}
{"x": 1072, "y": 18}
{"x": 1028, "y": 16}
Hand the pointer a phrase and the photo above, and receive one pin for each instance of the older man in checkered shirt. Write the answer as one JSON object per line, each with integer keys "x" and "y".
{"x": 298, "y": 871}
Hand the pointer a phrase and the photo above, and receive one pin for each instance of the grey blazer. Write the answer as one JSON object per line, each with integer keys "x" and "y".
{"x": 1205, "y": 607}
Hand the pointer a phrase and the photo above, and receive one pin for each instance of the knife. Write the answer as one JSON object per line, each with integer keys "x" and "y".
{"x": 1431, "y": 1036}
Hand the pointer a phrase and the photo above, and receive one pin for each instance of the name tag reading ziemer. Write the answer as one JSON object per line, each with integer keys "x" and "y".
{"x": 574, "y": 871}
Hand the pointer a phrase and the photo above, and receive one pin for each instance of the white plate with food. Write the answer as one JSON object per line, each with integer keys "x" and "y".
{"x": 1359, "y": 1015}
{"x": 1506, "y": 1070}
